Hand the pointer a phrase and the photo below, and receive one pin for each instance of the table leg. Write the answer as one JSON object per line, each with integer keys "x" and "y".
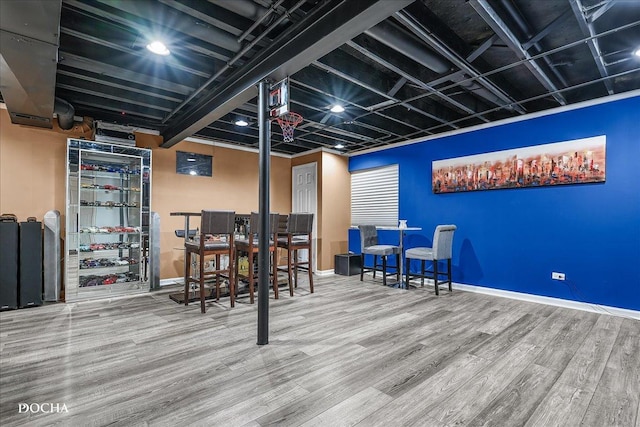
{"x": 186, "y": 236}
{"x": 402, "y": 284}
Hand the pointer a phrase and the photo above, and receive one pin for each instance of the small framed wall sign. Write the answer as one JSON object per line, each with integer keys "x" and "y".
{"x": 579, "y": 161}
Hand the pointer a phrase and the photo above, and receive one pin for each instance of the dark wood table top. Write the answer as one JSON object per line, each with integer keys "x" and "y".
{"x": 200, "y": 214}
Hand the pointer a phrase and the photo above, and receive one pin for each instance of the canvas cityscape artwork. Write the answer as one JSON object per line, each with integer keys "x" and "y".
{"x": 578, "y": 161}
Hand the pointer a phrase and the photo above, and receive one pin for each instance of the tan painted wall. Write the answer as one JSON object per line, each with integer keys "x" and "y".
{"x": 32, "y": 181}
{"x": 334, "y": 205}
{"x": 234, "y": 185}
{"x": 33, "y": 168}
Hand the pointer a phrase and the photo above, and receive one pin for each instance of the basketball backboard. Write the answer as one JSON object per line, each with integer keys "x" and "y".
{"x": 279, "y": 98}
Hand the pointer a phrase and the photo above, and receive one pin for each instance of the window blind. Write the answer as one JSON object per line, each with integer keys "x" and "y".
{"x": 374, "y": 196}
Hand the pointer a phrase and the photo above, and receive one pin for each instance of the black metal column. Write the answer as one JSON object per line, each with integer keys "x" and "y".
{"x": 263, "y": 237}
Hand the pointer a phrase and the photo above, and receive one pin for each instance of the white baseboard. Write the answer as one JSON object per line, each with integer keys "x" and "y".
{"x": 172, "y": 281}
{"x": 558, "y": 302}
{"x": 324, "y": 272}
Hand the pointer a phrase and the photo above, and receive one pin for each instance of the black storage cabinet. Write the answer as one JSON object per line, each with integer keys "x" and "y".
{"x": 8, "y": 265}
{"x": 347, "y": 264}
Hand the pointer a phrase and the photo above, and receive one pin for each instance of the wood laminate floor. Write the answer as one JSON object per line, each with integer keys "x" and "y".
{"x": 352, "y": 353}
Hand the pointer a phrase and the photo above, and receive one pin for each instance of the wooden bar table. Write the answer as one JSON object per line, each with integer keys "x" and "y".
{"x": 181, "y": 297}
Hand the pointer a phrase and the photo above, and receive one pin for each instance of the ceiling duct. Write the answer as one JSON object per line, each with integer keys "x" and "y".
{"x": 29, "y": 39}
{"x": 244, "y": 8}
{"x": 65, "y": 113}
{"x": 393, "y": 37}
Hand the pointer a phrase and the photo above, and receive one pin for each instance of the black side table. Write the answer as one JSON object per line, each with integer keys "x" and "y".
{"x": 347, "y": 264}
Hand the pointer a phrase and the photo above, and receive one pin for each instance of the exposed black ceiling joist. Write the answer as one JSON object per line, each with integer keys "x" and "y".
{"x": 324, "y": 29}
{"x": 498, "y": 25}
{"x": 401, "y": 73}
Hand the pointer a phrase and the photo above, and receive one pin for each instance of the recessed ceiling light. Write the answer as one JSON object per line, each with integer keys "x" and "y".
{"x": 241, "y": 122}
{"x": 191, "y": 159}
{"x": 158, "y": 48}
{"x": 339, "y": 146}
{"x": 337, "y": 109}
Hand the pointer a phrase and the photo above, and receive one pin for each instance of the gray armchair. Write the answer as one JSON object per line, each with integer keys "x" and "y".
{"x": 441, "y": 251}
{"x": 369, "y": 246}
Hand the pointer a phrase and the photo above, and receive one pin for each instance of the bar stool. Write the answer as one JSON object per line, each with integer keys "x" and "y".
{"x": 441, "y": 251}
{"x": 250, "y": 245}
{"x": 298, "y": 236}
{"x": 220, "y": 225}
{"x": 369, "y": 246}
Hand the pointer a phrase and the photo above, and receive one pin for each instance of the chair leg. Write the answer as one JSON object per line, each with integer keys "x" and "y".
{"x": 217, "y": 278}
{"x": 422, "y": 272}
{"x": 289, "y": 253}
{"x": 203, "y": 308}
{"x": 449, "y": 271}
{"x": 397, "y": 267}
{"x": 274, "y": 266}
{"x": 236, "y": 272}
{"x": 384, "y": 270}
{"x": 295, "y": 268}
{"x": 187, "y": 274}
{"x": 435, "y": 276}
{"x": 361, "y": 266}
{"x": 310, "y": 268}
{"x": 375, "y": 265}
{"x": 232, "y": 290}
{"x": 250, "y": 273}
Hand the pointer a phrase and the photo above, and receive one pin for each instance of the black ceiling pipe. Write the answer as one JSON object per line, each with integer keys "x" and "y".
{"x": 65, "y": 112}
{"x": 393, "y": 37}
{"x": 524, "y": 28}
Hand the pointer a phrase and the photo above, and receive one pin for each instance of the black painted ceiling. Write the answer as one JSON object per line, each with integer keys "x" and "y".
{"x": 430, "y": 67}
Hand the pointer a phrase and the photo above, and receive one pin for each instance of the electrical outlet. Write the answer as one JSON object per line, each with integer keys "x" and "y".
{"x": 557, "y": 276}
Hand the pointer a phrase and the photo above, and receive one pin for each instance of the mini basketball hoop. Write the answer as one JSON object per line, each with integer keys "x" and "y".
{"x": 288, "y": 123}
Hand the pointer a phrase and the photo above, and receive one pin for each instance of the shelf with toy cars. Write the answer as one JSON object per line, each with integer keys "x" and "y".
{"x": 108, "y": 204}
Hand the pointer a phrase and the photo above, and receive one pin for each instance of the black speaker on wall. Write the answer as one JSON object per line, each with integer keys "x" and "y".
{"x": 8, "y": 264}
{"x": 30, "y": 291}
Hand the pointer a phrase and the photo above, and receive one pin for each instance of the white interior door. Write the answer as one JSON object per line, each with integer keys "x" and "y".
{"x": 305, "y": 199}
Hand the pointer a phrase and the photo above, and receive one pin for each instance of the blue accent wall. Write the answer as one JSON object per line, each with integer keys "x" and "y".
{"x": 513, "y": 239}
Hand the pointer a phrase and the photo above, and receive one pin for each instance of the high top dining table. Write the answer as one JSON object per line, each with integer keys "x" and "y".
{"x": 401, "y": 284}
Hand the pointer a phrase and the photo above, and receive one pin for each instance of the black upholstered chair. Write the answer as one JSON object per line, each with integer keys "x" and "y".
{"x": 369, "y": 246}
{"x": 216, "y": 238}
{"x": 298, "y": 236}
{"x": 251, "y": 247}
{"x": 441, "y": 251}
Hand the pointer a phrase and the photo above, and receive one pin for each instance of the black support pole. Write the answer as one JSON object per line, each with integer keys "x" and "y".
{"x": 263, "y": 237}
